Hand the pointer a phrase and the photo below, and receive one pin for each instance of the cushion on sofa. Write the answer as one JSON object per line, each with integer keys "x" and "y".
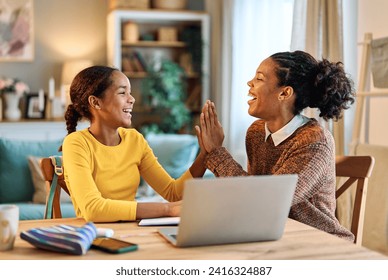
{"x": 15, "y": 177}
{"x": 32, "y": 211}
{"x": 39, "y": 195}
{"x": 175, "y": 152}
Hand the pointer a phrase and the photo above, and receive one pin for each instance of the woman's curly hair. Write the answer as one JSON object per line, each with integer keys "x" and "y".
{"x": 317, "y": 84}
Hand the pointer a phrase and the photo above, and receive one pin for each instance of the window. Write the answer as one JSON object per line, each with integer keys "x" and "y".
{"x": 260, "y": 28}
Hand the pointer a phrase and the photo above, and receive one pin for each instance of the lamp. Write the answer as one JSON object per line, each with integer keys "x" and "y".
{"x": 69, "y": 70}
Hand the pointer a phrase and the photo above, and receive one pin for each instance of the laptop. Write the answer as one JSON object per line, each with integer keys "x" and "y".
{"x": 232, "y": 210}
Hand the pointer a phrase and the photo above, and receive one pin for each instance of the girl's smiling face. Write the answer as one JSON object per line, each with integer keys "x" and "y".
{"x": 116, "y": 106}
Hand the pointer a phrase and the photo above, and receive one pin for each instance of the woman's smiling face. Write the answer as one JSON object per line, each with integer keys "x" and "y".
{"x": 264, "y": 91}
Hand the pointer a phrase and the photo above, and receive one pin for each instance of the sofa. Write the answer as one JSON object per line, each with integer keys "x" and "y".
{"x": 21, "y": 181}
{"x": 19, "y": 176}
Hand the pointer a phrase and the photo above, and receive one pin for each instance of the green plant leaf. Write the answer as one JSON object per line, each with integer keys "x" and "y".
{"x": 165, "y": 91}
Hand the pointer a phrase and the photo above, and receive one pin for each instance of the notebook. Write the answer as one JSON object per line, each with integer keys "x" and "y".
{"x": 232, "y": 210}
{"x": 165, "y": 221}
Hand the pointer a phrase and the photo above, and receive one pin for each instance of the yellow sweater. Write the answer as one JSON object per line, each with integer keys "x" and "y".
{"x": 103, "y": 180}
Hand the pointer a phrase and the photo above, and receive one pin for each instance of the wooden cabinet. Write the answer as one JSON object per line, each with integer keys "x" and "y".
{"x": 156, "y": 35}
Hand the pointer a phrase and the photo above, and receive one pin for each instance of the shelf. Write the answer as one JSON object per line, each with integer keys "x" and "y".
{"x": 157, "y": 16}
{"x": 142, "y": 75}
{"x": 124, "y": 54}
{"x": 23, "y": 120}
{"x": 135, "y": 75}
{"x": 154, "y": 44}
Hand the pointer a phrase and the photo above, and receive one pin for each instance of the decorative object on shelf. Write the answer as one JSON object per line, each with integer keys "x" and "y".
{"x": 12, "y": 111}
{"x": 168, "y": 34}
{"x": 12, "y": 90}
{"x": 169, "y": 4}
{"x": 165, "y": 91}
{"x": 147, "y": 37}
{"x": 57, "y": 109}
{"x": 130, "y": 32}
{"x": 129, "y": 4}
{"x": 54, "y": 106}
{"x": 51, "y": 96}
{"x": 133, "y": 61}
{"x": 35, "y": 105}
{"x": 17, "y": 39}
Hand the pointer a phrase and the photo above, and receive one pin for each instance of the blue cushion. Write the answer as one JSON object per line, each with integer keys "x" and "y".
{"x": 32, "y": 211}
{"x": 175, "y": 152}
{"x": 15, "y": 177}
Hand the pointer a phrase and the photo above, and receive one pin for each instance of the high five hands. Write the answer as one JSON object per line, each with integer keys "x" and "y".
{"x": 210, "y": 133}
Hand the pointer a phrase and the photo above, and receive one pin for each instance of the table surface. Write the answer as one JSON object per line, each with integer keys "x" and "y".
{"x": 299, "y": 241}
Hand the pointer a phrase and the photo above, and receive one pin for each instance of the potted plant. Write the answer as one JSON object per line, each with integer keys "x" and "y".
{"x": 165, "y": 91}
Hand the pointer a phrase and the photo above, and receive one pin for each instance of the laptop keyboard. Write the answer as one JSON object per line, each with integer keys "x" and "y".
{"x": 173, "y": 235}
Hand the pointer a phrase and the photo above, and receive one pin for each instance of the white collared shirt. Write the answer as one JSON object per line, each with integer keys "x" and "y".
{"x": 286, "y": 131}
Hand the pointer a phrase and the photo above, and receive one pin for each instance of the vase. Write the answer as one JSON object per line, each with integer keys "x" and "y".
{"x": 12, "y": 111}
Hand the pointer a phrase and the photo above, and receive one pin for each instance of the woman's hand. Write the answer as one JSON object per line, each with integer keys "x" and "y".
{"x": 211, "y": 131}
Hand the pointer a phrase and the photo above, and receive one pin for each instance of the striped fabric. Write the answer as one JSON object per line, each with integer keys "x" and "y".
{"x": 62, "y": 238}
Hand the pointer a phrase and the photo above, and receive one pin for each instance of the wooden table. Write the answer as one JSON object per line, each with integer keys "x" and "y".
{"x": 298, "y": 242}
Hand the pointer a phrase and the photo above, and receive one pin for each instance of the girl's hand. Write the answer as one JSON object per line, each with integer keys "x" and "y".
{"x": 174, "y": 208}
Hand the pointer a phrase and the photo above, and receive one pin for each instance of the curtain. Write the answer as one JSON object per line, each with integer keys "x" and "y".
{"x": 317, "y": 29}
{"x": 220, "y": 55}
{"x": 248, "y": 31}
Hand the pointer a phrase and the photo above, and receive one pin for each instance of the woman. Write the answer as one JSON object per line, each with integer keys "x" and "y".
{"x": 283, "y": 141}
{"x": 103, "y": 163}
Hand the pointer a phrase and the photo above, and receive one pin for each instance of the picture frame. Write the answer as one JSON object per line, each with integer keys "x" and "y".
{"x": 16, "y": 30}
{"x": 32, "y": 107}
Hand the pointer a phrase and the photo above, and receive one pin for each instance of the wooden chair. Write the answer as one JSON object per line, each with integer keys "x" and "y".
{"x": 355, "y": 169}
{"x": 49, "y": 168}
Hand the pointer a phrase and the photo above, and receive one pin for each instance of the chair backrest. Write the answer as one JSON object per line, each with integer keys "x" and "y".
{"x": 49, "y": 169}
{"x": 355, "y": 169}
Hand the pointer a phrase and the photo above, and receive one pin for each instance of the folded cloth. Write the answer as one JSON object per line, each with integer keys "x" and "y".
{"x": 62, "y": 238}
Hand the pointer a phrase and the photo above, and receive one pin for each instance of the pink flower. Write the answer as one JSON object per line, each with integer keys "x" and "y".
{"x": 16, "y": 86}
{"x": 21, "y": 88}
{"x": 9, "y": 82}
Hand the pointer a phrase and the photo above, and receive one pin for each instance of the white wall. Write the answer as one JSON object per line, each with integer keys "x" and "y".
{"x": 372, "y": 17}
{"x": 63, "y": 30}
